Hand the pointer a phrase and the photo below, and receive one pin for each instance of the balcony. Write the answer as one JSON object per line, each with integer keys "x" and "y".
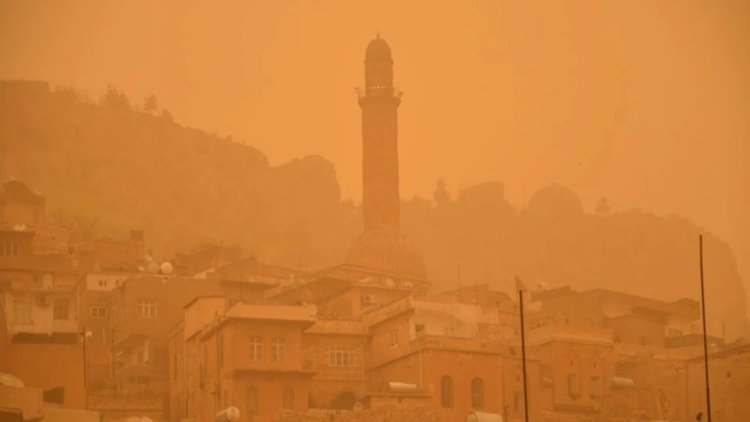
{"x": 378, "y": 91}
{"x": 46, "y": 330}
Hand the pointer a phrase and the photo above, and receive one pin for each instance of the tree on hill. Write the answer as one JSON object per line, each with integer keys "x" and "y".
{"x": 602, "y": 208}
{"x": 167, "y": 115}
{"x": 440, "y": 196}
{"x": 150, "y": 104}
{"x": 114, "y": 98}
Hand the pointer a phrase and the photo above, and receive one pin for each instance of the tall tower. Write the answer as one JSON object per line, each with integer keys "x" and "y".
{"x": 381, "y": 251}
{"x": 379, "y": 103}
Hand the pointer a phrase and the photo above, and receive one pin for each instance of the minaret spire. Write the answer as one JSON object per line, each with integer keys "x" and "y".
{"x": 380, "y": 175}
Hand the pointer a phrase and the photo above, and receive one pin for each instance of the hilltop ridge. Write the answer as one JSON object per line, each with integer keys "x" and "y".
{"x": 121, "y": 168}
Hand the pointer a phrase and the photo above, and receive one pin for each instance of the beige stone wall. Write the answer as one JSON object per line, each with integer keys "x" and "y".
{"x": 729, "y": 373}
{"x": 381, "y": 414}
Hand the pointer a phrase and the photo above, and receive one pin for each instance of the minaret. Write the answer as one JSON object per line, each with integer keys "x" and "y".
{"x": 379, "y": 103}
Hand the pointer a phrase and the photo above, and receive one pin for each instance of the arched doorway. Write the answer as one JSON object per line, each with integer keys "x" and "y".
{"x": 345, "y": 400}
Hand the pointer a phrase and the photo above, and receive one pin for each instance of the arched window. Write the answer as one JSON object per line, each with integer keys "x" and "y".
{"x": 288, "y": 398}
{"x": 278, "y": 347}
{"x": 256, "y": 348}
{"x": 446, "y": 392}
{"x": 477, "y": 393}
{"x": 251, "y": 403}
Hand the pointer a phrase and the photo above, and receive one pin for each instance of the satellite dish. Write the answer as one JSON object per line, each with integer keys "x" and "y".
{"x": 166, "y": 267}
{"x": 10, "y": 380}
{"x": 152, "y": 267}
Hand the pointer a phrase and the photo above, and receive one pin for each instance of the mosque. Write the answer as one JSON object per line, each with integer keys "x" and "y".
{"x": 381, "y": 250}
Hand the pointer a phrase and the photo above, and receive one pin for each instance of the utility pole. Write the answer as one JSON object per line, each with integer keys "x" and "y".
{"x": 523, "y": 359}
{"x": 705, "y": 335}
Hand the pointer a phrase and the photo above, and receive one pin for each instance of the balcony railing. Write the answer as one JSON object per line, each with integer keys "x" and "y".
{"x": 378, "y": 91}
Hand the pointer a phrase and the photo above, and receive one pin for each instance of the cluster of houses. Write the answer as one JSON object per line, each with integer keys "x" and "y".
{"x": 100, "y": 328}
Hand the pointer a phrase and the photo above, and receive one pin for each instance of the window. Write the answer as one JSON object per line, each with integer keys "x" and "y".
{"x": 251, "y": 403}
{"x": 220, "y": 350}
{"x": 278, "y": 347}
{"x": 517, "y": 401}
{"x": 146, "y": 309}
{"x": 394, "y": 338}
{"x": 102, "y": 283}
{"x": 674, "y": 332}
{"x": 22, "y": 310}
{"x": 10, "y": 249}
{"x": 98, "y": 312}
{"x": 596, "y": 387}
{"x": 288, "y": 398}
{"x": 419, "y": 329}
{"x": 61, "y": 309}
{"x": 477, "y": 393}
{"x": 204, "y": 367}
{"x": 160, "y": 356}
{"x": 446, "y": 392}
{"x": 341, "y": 356}
{"x": 256, "y": 348}
{"x": 572, "y": 385}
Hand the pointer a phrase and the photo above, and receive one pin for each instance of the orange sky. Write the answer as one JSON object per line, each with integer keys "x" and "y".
{"x": 644, "y": 102}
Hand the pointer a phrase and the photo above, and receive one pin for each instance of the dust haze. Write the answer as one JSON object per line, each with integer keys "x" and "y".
{"x": 312, "y": 210}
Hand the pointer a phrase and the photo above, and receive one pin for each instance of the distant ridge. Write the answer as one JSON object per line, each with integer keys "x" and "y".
{"x": 123, "y": 168}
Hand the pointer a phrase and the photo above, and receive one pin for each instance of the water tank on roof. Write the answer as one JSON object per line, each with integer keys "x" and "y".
{"x": 402, "y": 387}
{"x": 166, "y": 267}
{"x": 152, "y": 267}
{"x": 483, "y": 417}
{"x": 620, "y": 382}
{"x": 230, "y": 414}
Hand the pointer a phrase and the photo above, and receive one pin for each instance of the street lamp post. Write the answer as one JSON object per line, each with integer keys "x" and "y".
{"x": 84, "y": 336}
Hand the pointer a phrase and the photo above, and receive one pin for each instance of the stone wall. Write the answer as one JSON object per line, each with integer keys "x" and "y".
{"x": 381, "y": 414}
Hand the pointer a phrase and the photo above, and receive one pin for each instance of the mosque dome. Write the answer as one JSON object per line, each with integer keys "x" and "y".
{"x": 387, "y": 251}
{"x": 555, "y": 201}
{"x": 378, "y": 49}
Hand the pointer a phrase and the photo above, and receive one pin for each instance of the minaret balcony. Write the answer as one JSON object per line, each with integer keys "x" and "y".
{"x": 378, "y": 91}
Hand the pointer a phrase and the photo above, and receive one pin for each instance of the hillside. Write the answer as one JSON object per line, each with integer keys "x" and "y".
{"x": 553, "y": 241}
{"x": 121, "y": 168}
{"x": 124, "y": 169}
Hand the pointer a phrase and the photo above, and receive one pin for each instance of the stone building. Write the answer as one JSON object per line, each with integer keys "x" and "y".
{"x": 22, "y": 209}
{"x": 729, "y": 375}
{"x": 40, "y": 339}
{"x": 247, "y": 356}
